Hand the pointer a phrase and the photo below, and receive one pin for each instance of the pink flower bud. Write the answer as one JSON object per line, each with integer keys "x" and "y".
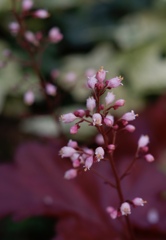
{"x": 114, "y": 82}
{"x": 29, "y": 97}
{"x": 41, "y": 13}
{"x": 129, "y": 116}
{"x": 72, "y": 144}
{"x": 119, "y": 103}
{"x": 138, "y": 201}
{"x": 129, "y": 128}
{"x": 125, "y": 208}
{"x": 30, "y": 37}
{"x": 51, "y": 89}
{"x": 67, "y": 151}
{"x": 101, "y": 74}
{"x": 68, "y": 118}
{"x": 99, "y": 153}
{"x": 113, "y": 212}
{"x": 109, "y": 120}
{"x": 149, "y": 157}
{"x": 27, "y": 5}
{"x": 110, "y": 97}
{"x": 80, "y": 113}
{"x": 55, "y": 35}
{"x": 90, "y": 103}
{"x": 70, "y": 77}
{"x": 99, "y": 139}
{"x": 111, "y": 148}
{"x": 70, "y": 174}
{"x": 153, "y": 216}
{"x": 14, "y": 28}
{"x": 89, "y": 162}
{"x": 92, "y": 82}
{"x": 97, "y": 119}
{"x": 143, "y": 141}
{"x": 74, "y": 129}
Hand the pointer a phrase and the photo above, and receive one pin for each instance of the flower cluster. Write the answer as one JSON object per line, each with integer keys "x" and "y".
{"x": 98, "y": 114}
{"x": 34, "y": 43}
{"x": 125, "y": 208}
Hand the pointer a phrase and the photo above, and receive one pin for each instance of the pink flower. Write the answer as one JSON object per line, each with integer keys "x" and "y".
{"x": 111, "y": 148}
{"x": 99, "y": 139}
{"x": 79, "y": 113}
{"x": 67, "y": 151}
{"x": 51, "y": 89}
{"x": 143, "y": 141}
{"x": 99, "y": 152}
{"x": 129, "y": 116}
{"x": 90, "y": 103}
{"x": 138, "y": 201}
{"x": 72, "y": 144}
{"x": 74, "y": 129}
{"x": 129, "y": 128}
{"x": 101, "y": 74}
{"x": 125, "y": 208}
{"x": 113, "y": 212}
{"x": 14, "y": 27}
{"x": 149, "y": 157}
{"x": 109, "y": 120}
{"x": 70, "y": 174}
{"x": 27, "y": 5}
{"x": 68, "y": 117}
{"x": 29, "y": 97}
{"x": 114, "y": 82}
{"x": 41, "y": 13}
{"x": 119, "y": 103}
{"x": 30, "y": 37}
{"x": 97, "y": 119}
{"x": 88, "y": 162}
{"x": 92, "y": 82}
{"x": 110, "y": 97}
{"x": 55, "y": 35}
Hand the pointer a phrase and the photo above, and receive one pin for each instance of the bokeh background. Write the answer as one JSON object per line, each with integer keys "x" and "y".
{"x": 127, "y": 37}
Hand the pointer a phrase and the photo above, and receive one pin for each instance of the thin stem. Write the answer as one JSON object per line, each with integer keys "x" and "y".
{"x": 127, "y": 171}
{"x": 105, "y": 179}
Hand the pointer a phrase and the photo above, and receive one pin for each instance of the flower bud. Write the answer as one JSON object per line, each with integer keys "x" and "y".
{"x": 72, "y": 144}
{"x": 129, "y": 128}
{"x": 74, "y": 129}
{"x": 113, "y": 212}
{"x": 51, "y": 89}
{"x": 14, "y": 28}
{"x": 125, "y": 208}
{"x": 99, "y": 152}
{"x": 90, "y": 103}
{"x": 111, "y": 148}
{"x": 149, "y": 157}
{"x": 68, "y": 118}
{"x": 110, "y": 97}
{"x": 55, "y": 35}
{"x": 97, "y": 119}
{"x": 29, "y": 97}
{"x": 109, "y": 120}
{"x": 114, "y": 82}
{"x": 41, "y": 13}
{"x": 92, "y": 82}
{"x": 101, "y": 74}
{"x": 129, "y": 116}
{"x": 143, "y": 141}
{"x": 119, "y": 103}
{"x": 67, "y": 151}
{"x": 27, "y": 5}
{"x": 70, "y": 174}
{"x": 138, "y": 201}
{"x": 80, "y": 113}
{"x": 30, "y": 37}
{"x": 89, "y": 162}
